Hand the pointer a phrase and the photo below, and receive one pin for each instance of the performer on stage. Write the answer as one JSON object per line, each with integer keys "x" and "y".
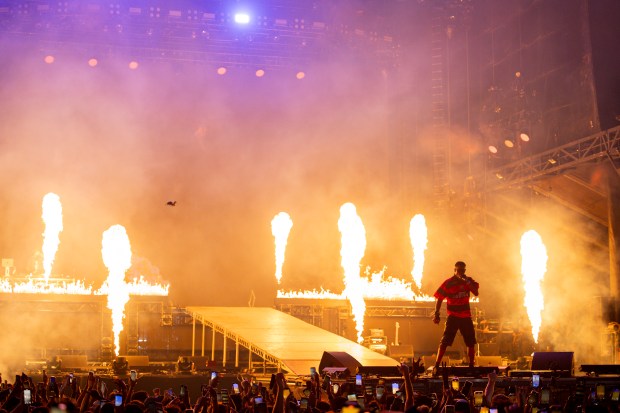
{"x": 456, "y": 290}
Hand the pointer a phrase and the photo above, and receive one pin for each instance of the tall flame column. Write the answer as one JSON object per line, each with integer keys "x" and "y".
{"x": 533, "y": 269}
{"x": 52, "y": 217}
{"x": 116, "y": 253}
{"x": 353, "y": 246}
{"x": 281, "y": 226}
{"x": 418, "y": 234}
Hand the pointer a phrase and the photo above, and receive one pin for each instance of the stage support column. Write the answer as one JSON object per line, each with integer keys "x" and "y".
{"x": 213, "y": 344}
{"x": 236, "y": 351}
{"x": 193, "y": 334}
{"x": 613, "y": 213}
{"x": 250, "y": 360}
{"x": 224, "y": 351}
{"x": 202, "y": 353}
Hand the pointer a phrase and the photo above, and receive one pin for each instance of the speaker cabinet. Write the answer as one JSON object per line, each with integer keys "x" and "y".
{"x": 553, "y": 360}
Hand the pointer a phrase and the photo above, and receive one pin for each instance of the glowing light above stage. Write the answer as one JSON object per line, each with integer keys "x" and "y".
{"x": 533, "y": 268}
{"x": 280, "y": 228}
{"x": 418, "y": 234}
{"x": 353, "y": 246}
{"x": 242, "y": 18}
{"x": 116, "y": 253}
{"x": 52, "y": 217}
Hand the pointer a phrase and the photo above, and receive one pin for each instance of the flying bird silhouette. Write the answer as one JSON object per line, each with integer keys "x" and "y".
{"x": 171, "y": 203}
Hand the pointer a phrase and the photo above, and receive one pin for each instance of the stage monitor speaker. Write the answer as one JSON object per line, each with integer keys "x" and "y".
{"x": 73, "y": 362}
{"x": 598, "y": 369}
{"x": 137, "y": 361}
{"x": 553, "y": 360}
{"x": 402, "y": 351}
{"x": 201, "y": 363}
{"x": 489, "y": 349}
{"x": 482, "y": 371}
{"x": 488, "y": 361}
{"x": 339, "y": 359}
{"x": 381, "y": 371}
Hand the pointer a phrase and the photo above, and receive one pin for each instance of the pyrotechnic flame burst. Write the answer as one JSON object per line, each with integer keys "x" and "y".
{"x": 533, "y": 268}
{"x": 353, "y": 246}
{"x": 52, "y": 217}
{"x": 116, "y": 253}
{"x": 419, "y": 239}
{"x": 280, "y": 228}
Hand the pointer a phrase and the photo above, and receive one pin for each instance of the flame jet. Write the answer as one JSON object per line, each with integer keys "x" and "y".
{"x": 281, "y": 226}
{"x": 418, "y": 234}
{"x": 533, "y": 268}
{"x": 353, "y": 246}
{"x": 116, "y": 253}
{"x": 52, "y": 217}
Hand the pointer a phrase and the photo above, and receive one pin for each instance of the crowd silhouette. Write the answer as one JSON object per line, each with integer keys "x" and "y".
{"x": 319, "y": 394}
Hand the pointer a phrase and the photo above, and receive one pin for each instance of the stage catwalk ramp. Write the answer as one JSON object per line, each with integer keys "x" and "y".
{"x": 288, "y": 342}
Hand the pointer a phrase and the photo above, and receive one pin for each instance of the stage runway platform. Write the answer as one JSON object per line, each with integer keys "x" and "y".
{"x": 289, "y": 343}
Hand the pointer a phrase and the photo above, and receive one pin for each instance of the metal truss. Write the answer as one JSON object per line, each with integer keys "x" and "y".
{"x": 413, "y": 312}
{"x": 284, "y": 35}
{"x": 40, "y": 305}
{"x": 554, "y": 161}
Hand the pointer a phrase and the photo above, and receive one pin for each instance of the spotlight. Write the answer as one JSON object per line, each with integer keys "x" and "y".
{"x": 49, "y": 59}
{"x": 499, "y": 175}
{"x": 524, "y": 137}
{"x": 260, "y": 73}
{"x": 509, "y": 143}
{"x": 92, "y": 62}
{"x": 221, "y": 70}
{"x": 552, "y": 161}
{"x": 492, "y": 149}
{"x": 300, "y": 75}
{"x": 242, "y": 18}
{"x": 133, "y": 65}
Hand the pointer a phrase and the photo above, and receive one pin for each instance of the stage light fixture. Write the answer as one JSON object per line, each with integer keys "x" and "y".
{"x": 133, "y": 65}
{"x": 260, "y": 73}
{"x": 509, "y": 143}
{"x": 492, "y": 149}
{"x": 54, "y": 364}
{"x": 49, "y": 59}
{"x": 120, "y": 365}
{"x": 524, "y": 136}
{"x": 300, "y": 75}
{"x": 184, "y": 365}
{"x": 92, "y": 62}
{"x": 221, "y": 70}
{"x": 242, "y": 18}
